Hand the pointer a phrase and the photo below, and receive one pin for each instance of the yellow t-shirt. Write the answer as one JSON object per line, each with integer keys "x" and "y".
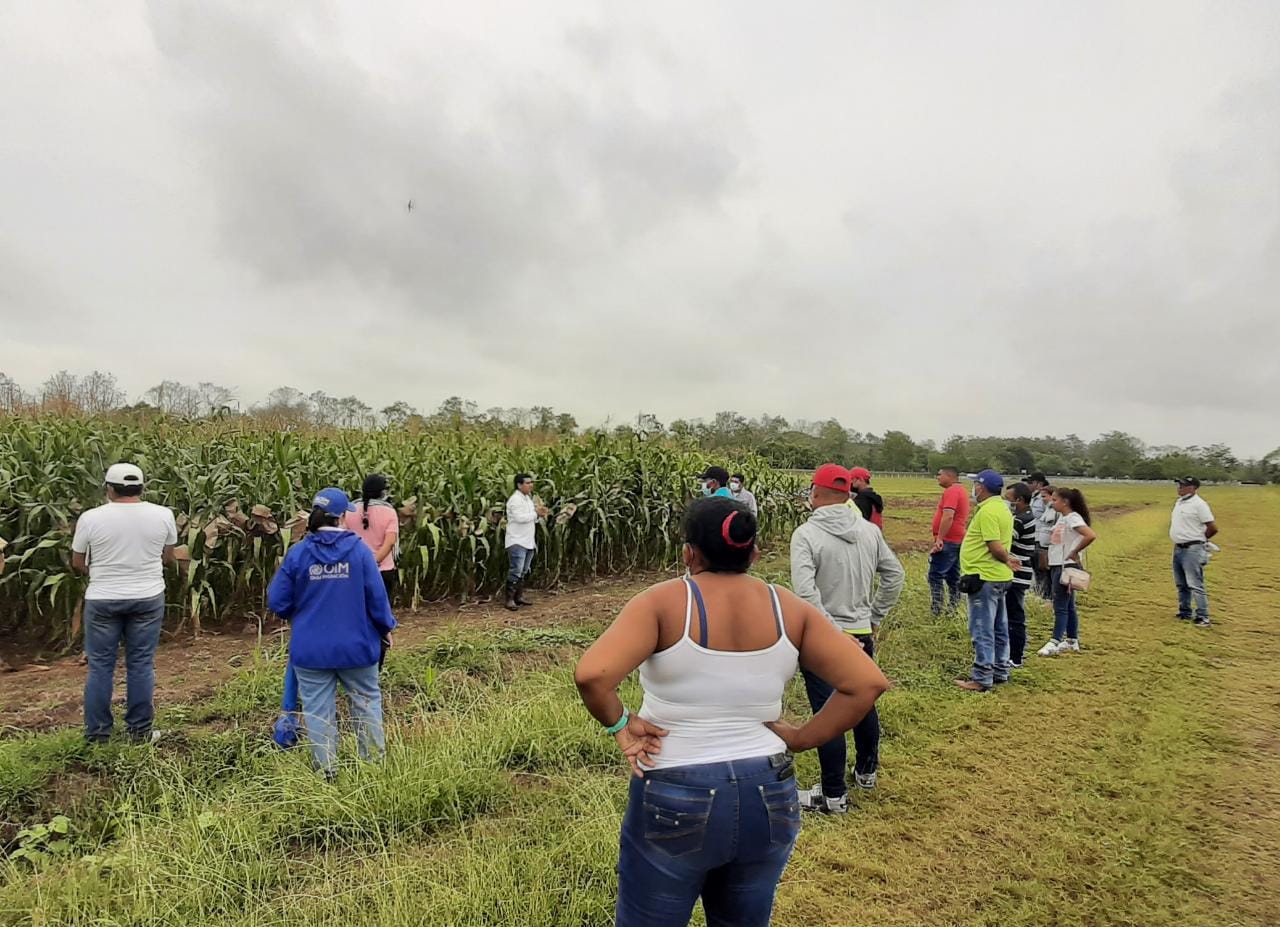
{"x": 991, "y": 521}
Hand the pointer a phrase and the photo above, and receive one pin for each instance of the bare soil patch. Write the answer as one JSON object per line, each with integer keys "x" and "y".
{"x": 42, "y": 694}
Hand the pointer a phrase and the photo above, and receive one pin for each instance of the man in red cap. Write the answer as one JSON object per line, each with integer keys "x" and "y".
{"x": 835, "y": 559}
{"x": 868, "y": 501}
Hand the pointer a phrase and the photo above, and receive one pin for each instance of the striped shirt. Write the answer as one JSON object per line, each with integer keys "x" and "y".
{"x": 1024, "y": 546}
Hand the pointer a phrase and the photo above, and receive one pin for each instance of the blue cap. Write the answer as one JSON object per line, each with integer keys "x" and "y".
{"x": 334, "y": 502}
{"x": 992, "y": 481}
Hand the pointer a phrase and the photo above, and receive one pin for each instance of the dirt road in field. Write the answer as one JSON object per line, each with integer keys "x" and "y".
{"x": 42, "y": 694}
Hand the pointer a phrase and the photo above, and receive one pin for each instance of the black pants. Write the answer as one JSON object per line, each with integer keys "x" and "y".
{"x": 866, "y": 736}
{"x": 1016, "y": 607}
{"x": 390, "y": 580}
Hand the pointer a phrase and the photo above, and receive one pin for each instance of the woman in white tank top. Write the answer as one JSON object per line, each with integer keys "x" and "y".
{"x": 713, "y": 810}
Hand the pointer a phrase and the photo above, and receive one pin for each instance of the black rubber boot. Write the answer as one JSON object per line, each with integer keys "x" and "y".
{"x": 511, "y": 605}
{"x": 520, "y": 599}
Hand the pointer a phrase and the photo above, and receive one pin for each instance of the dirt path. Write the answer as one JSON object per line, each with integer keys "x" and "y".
{"x": 189, "y": 667}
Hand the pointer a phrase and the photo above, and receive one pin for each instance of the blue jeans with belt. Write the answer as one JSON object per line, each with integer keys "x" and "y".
{"x": 1188, "y": 576}
{"x": 989, "y": 629}
{"x": 719, "y": 831}
{"x": 107, "y": 623}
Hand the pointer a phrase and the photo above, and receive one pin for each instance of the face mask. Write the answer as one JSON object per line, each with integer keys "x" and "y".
{"x": 734, "y": 486}
{"x": 706, "y": 488}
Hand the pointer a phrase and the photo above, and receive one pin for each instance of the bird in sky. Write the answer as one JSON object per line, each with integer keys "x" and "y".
{"x": 410, "y": 206}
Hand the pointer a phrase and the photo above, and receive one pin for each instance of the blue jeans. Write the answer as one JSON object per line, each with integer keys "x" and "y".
{"x": 722, "y": 831}
{"x": 519, "y": 562}
{"x": 1188, "y": 576}
{"x": 1066, "y": 620}
{"x": 866, "y": 734}
{"x": 945, "y": 566}
{"x": 107, "y": 622}
{"x": 989, "y": 629}
{"x": 318, "y": 689}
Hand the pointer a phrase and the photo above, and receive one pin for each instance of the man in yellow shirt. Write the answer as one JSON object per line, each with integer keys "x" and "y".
{"x": 986, "y": 569}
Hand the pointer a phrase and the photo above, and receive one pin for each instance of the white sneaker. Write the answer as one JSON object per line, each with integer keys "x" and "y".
{"x": 864, "y": 780}
{"x": 1050, "y": 649}
{"x": 813, "y": 800}
{"x": 1069, "y": 645}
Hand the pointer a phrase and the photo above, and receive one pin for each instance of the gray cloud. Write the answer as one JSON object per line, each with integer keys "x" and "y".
{"x": 312, "y": 164}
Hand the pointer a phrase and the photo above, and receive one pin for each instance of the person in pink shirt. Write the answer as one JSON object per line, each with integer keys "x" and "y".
{"x": 376, "y": 522}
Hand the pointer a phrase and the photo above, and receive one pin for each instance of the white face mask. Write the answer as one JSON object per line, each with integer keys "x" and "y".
{"x": 734, "y": 486}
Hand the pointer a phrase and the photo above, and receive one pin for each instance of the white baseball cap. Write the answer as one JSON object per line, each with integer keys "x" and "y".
{"x": 123, "y": 474}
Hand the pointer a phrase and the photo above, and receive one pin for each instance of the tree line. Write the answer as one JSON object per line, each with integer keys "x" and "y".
{"x": 785, "y": 444}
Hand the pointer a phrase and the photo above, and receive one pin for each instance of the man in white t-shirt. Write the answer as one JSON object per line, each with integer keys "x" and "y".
{"x": 1190, "y": 529}
{"x": 522, "y": 538}
{"x": 123, "y": 546}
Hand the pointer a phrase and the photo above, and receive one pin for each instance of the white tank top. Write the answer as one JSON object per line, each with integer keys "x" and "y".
{"x": 715, "y": 702}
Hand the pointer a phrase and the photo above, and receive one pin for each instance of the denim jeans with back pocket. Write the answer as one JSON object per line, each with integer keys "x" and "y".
{"x": 318, "y": 689}
{"x": 107, "y": 624}
{"x": 719, "y": 831}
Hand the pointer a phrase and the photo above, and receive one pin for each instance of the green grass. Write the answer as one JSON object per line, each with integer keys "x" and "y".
{"x": 1134, "y": 784}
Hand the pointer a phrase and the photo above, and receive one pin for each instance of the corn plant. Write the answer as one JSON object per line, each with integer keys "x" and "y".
{"x": 238, "y": 493}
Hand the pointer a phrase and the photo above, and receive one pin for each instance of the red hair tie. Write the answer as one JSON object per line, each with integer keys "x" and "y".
{"x": 724, "y": 533}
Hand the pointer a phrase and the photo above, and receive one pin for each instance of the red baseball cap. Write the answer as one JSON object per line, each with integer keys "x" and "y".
{"x": 832, "y": 476}
{"x": 860, "y": 473}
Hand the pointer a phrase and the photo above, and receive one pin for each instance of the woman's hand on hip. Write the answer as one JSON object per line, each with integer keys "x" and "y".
{"x": 791, "y": 735}
{"x": 640, "y": 741}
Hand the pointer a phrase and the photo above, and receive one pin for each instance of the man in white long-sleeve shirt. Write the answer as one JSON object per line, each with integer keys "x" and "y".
{"x": 522, "y": 538}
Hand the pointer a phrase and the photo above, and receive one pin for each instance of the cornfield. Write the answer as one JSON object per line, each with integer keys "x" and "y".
{"x": 241, "y": 493}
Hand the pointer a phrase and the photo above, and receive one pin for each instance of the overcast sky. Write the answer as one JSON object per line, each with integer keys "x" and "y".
{"x": 1017, "y": 217}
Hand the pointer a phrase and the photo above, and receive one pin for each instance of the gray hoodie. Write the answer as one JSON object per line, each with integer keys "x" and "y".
{"x": 834, "y": 561}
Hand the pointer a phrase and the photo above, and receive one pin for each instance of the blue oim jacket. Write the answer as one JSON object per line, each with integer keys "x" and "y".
{"x": 329, "y": 588}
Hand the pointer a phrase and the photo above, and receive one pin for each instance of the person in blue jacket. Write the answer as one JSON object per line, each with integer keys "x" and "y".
{"x": 329, "y": 588}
